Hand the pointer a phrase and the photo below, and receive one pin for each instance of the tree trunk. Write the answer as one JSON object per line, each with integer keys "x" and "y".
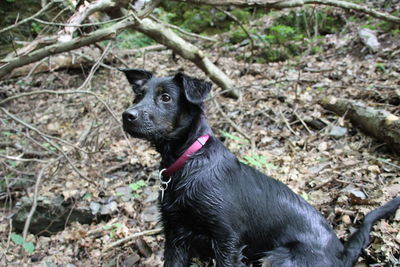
{"x": 378, "y": 123}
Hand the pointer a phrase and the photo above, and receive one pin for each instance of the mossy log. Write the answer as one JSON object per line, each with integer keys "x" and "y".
{"x": 378, "y": 123}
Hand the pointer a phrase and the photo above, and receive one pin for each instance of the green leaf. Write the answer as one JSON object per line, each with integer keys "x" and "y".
{"x": 17, "y": 239}
{"x": 119, "y": 194}
{"x": 107, "y": 227}
{"x": 49, "y": 146}
{"x": 29, "y": 247}
{"x": 305, "y": 196}
{"x": 13, "y": 163}
{"x": 117, "y": 225}
{"x": 87, "y": 196}
{"x": 233, "y": 137}
{"x": 6, "y": 133}
{"x": 270, "y": 165}
{"x": 137, "y": 185}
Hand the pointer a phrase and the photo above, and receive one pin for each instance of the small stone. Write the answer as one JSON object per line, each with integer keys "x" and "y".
{"x": 131, "y": 260}
{"x": 150, "y": 214}
{"x": 109, "y": 208}
{"x": 346, "y": 219}
{"x": 323, "y": 146}
{"x": 368, "y": 37}
{"x": 94, "y": 207}
{"x": 125, "y": 193}
{"x": 337, "y": 131}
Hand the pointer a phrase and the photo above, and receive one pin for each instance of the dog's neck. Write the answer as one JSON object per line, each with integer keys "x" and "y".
{"x": 171, "y": 150}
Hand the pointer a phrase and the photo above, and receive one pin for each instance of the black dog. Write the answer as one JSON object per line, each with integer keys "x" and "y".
{"x": 213, "y": 206}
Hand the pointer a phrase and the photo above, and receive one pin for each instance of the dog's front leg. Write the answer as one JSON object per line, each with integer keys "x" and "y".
{"x": 227, "y": 253}
{"x": 176, "y": 257}
{"x": 176, "y": 253}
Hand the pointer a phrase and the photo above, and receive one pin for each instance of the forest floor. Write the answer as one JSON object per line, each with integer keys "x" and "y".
{"x": 344, "y": 177}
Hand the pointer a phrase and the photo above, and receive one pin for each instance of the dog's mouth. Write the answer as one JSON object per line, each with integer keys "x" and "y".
{"x": 147, "y": 131}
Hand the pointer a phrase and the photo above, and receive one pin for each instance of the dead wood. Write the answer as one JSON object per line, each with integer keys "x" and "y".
{"x": 99, "y": 35}
{"x": 281, "y": 4}
{"x": 170, "y": 39}
{"x": 378, "y": 123}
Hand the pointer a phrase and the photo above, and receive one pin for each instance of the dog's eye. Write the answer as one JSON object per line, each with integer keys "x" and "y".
{"x": 165, "y": 98}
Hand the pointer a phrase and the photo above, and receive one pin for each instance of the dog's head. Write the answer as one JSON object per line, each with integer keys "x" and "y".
{"x": 164, "y": 108}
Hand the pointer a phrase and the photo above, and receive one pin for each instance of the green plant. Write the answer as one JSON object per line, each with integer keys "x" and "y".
{"x": 316, "y": 49}
{"x": 36, "y": 28}
{"x": 136, "y": 186}
{"x": 112, "y": 228}
{"x": 7, "y": 133}
{"x": 380, "y": 67}
{"x": 49, "y": 146}
{"x": 87, "y": 196}
{"x": 305, "y": 196}
{"x": 19, "y": 240}
{"x": 258, "y": 161}
{"x": 234, "y": 137}
{"x": 129, "y": 40}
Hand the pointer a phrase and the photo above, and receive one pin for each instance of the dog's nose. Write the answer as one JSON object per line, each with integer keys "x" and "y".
{"x": 130, "y": 115}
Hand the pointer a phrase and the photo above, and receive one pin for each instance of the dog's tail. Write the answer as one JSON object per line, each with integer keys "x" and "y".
{"x": 360, "y": 239}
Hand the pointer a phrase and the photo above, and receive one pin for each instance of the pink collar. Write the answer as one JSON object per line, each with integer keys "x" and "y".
{"x": 196, "y": 146}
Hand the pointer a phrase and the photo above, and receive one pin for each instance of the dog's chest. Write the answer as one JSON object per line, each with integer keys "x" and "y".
{"x": 187, "y": 212}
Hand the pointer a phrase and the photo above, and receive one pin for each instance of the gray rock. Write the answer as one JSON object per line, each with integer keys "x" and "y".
{"x": 337, "y": 131}
{"x": 51, "y": 215}
{"x": 368, "y": 37}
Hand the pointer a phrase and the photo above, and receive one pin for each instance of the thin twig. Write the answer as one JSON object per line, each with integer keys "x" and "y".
{"x": 47, "y": 139}
{"x": 128, "y": 238}
{"x": 19, "y": 158}
{"x": 35, "y": 197}
{"x": 183, "y": 31}
{"x": 386, "y": 162}
{"x": 79, "y": 25}
{"x": 287, "y": 123}
{"x": 234, "y": 18}
{"x": 95, "y": 66}
{"x": 302, "y": 122}
{"x": 62, "y": 93}
{"x": 27, "y": 19}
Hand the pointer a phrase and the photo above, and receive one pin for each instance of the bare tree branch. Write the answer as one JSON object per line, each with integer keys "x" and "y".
{"x": 281, "y": 4}
{"x": 45, "y": 137}
{"x": 40, "y": 12}
{"x": 167, "y": 37}
{"x": 99, "y": 35}
{"x": 35, "y": 197}
{"x": 83, "y": 12}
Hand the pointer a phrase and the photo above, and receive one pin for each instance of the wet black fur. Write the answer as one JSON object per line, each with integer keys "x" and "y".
{"x": 215, "y": 206}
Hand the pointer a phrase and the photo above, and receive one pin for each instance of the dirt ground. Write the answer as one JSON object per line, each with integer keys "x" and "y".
{"x": 343, "y": 177}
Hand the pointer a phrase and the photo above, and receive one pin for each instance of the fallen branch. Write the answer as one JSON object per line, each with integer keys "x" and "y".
{"x": 378, "y": 123}
{"x": 276, "y": 4}
{"x": 35, "y": 197}
{"x": 83, "y": 12}
{"x": 170, "y": 39}
{"x": 60, "y": 61}
{"x": 128, "y": 238}
{"x": 96, "y": 36}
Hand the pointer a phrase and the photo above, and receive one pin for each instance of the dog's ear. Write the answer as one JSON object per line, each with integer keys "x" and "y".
{"x": 196, "y": 90}
{"x": 137, "y": 77}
